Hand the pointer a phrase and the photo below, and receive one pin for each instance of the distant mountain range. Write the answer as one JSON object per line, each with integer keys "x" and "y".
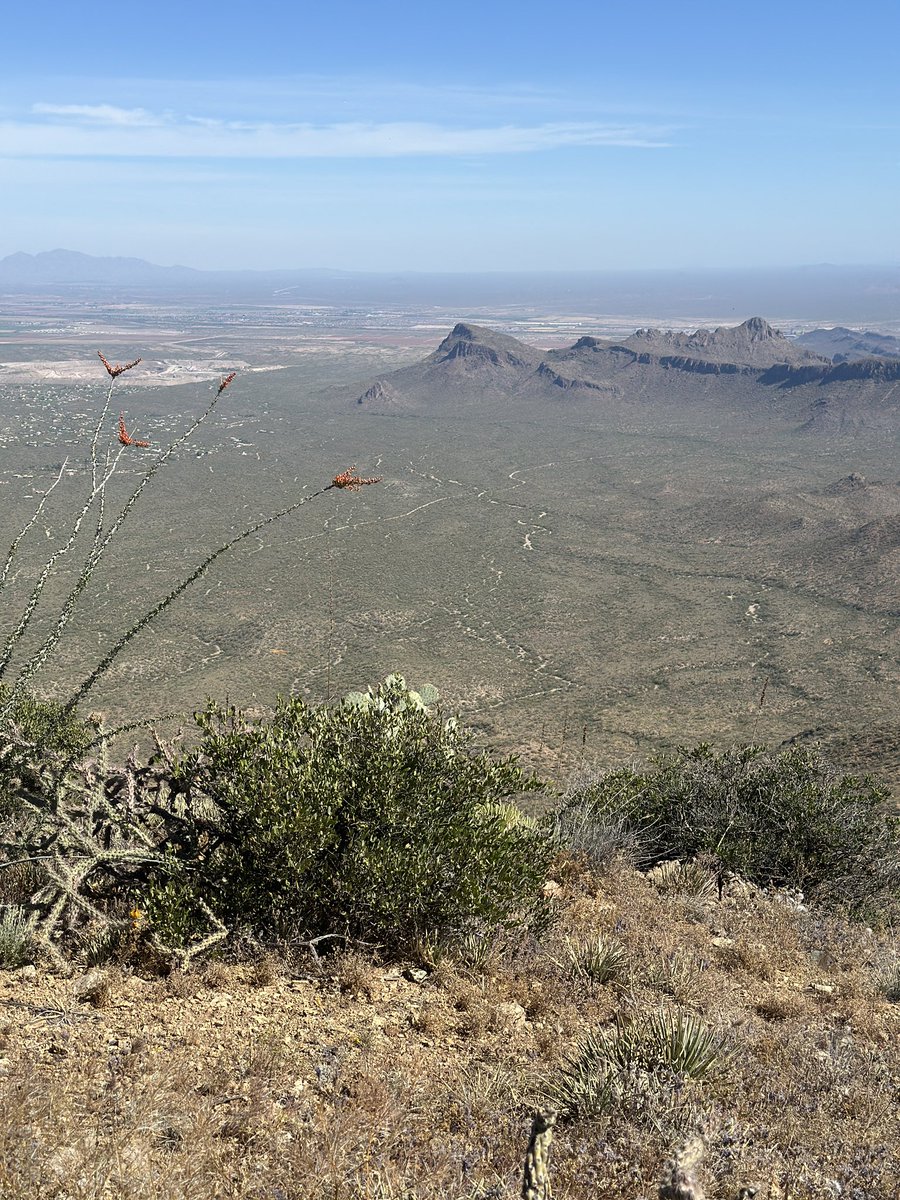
{"x": 69, "y": 267}
{"x": 747, "y": 368}
{"x": 847, "y": 345}
{"x": 827, "y": 293}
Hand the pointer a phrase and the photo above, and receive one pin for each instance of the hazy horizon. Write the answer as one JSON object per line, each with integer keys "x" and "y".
{"x": 228, "y": 266}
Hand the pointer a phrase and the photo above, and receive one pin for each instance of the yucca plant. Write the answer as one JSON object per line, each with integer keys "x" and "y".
{"x": 596, "y": 960}
{"x": 675, "y": 878}
{"x": 16, "y": 930}
{"x": 614, "y": 1064}
{"x": 676, "y": 974}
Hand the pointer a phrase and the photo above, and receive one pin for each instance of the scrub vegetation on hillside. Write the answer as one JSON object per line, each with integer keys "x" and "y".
{"x": 337, "y": 950}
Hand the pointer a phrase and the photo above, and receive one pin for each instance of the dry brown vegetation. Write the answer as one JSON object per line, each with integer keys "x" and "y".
{"x": 350, "y": 1078}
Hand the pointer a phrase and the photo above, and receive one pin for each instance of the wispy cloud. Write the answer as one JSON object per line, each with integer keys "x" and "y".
{"x": 100, "y": 114}
{"x": 107, "y": 131}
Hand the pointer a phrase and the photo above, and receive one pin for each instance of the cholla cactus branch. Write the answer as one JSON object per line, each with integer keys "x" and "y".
{"x": 83, "y": 831}
{"x": 536, "y": 1178}
{"x": 185, "y": 955}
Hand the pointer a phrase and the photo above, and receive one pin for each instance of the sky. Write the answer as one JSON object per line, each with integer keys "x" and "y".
{"x": 396, "y": 136}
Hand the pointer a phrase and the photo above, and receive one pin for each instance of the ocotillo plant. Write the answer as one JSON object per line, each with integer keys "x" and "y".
{"x": 93, "y": 506}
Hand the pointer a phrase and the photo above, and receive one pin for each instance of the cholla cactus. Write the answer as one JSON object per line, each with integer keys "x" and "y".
{"x": 679, "y": 1181}
{"x": 536, "y": 1179}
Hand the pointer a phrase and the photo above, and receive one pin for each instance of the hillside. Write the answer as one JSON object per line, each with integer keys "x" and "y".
{"x": 753, "y": 344}
{"x": 593, "y": 558}
{"x": 349, "y": 1078}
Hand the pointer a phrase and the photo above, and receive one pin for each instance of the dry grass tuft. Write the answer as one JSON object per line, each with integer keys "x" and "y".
{"x": 354, "y": 974}
{"x": 266, "y": 970}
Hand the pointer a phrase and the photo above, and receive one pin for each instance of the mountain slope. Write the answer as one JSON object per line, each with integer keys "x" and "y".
{"x": 754, "y": 344}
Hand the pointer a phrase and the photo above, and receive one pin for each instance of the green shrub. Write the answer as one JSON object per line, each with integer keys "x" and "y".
{"x": 373, "y": 820}
{"x": 38, "y": 742}
{"x": 779, "y": 819}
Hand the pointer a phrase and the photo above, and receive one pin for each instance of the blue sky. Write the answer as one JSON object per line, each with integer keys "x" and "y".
{"x": 492, "y": 136}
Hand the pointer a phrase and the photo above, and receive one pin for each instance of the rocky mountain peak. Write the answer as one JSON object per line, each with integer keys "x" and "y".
{"x": 476, "y": 343}
{"x": 754, "y": 344}
{"x": 757, "y": 329}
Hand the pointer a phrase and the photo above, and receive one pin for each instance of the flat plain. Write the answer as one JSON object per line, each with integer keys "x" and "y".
{"x": 587, "y": 579}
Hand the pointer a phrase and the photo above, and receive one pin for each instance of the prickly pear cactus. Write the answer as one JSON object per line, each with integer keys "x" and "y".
{"x": 393, "y": 695}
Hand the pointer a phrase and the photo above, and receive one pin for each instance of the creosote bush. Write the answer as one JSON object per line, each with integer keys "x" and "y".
{"x": 371, "y": 820}
{"x": 779, "y": 819}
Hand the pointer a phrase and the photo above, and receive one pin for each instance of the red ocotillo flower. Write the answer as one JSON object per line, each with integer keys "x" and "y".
{"x": 225, "y": 382}
{"x": 347, "y": 479}
{"x": 116, "y": 370}
{"x": 125, "y": 437}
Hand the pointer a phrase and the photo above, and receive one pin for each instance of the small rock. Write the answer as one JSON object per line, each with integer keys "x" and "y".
{"x": 551, "y": 890}
{"x": 28, "y": 973}
{"x": 92, "y": 987}
{"x": 824, "y": 989}
{"x": 514, "y": 1013}
{"x": 415, "y": 975}
{"x": 722, "y": 942}
{"x": 822, "y": 959}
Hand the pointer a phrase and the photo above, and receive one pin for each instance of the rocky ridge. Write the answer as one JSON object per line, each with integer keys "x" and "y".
{"x": 740, "y": 366}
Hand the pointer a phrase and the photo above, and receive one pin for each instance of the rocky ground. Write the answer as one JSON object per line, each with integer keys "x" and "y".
{"x": 346, "y": 1077}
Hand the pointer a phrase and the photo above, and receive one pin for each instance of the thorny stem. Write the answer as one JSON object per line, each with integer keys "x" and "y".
{"x": 35, "y": 596}
{"x": 36, "y": 593}
{"x": 348, "y": 480}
